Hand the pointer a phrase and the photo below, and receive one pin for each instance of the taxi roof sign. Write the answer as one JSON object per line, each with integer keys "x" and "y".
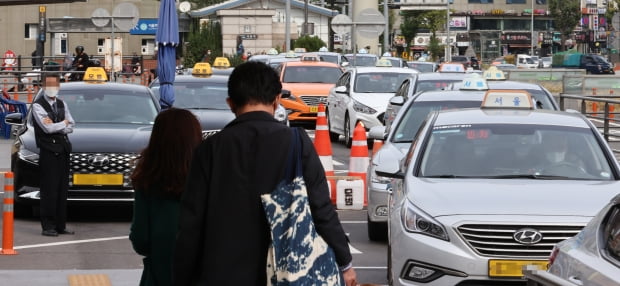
{"x": 451, "y": 67}
{"x": 272, "y": 52}
{"x": 221, "y": 62}
{"x": 383, "y": 63}
{"x": 474, "y": 82}
{"x": 509, "y": 99}
{"x": 291, "y": 54}
{"x": 202, "y": 69}
{"x": 310, "y": 58}
{"x": 493, "y": 73}
{"x": 95, "y": 74}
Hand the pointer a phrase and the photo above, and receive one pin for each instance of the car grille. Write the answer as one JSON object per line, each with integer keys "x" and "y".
{"x": 103, "y": 163}
{"x": 498, "y": 241}
{"x": 207, "y": 133}
{"x": 313, "y": 100}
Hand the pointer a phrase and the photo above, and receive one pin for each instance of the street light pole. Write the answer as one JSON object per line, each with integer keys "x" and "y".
{"x": 448, "y": 44}
{"x": 532, "y": 30}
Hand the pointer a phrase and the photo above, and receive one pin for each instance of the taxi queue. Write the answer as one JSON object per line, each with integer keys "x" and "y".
{"x": 457, "y": 184}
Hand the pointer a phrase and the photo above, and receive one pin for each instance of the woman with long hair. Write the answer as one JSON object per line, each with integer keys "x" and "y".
{"x": 159, "y": 181}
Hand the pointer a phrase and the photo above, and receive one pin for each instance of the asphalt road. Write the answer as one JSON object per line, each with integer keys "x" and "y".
{"x": 101, "y": 245}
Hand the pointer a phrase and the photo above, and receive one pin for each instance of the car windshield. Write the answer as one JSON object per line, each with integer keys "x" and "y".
{"x": 514, "y": 151}
{"x": 110, "y": 106}
{"x": 435, "y": 84}
{"x": 329, "y": 58}
{"x": 362, "y": 61}
{"x": 418, "y": 111}
{"x": 421, "y": 67}
{"x": 379, "y": 82}
{"x": 311, "y": 74}
{"x": 198, "y": 95}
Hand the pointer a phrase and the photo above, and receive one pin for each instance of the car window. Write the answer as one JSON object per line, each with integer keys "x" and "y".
{"x": 110, "y": 106}
{"x": 417, "y": 113}
{"x": 198, "y": 95}
{"x": 379, "y": 82}
{"x": 311, "y": 74}
{"x": 362, "y": 61}
{"x": 499, "y": 150}
{"x": 329, "y": 58}
{"x": 611, "y": 234}
{"x": 436, "y": 84}
{"x": 421, "y": 67}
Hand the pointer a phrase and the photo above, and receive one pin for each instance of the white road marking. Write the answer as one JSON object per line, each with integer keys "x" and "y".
{"x": 71, "y": 242}
{"x": 354, "y": 250}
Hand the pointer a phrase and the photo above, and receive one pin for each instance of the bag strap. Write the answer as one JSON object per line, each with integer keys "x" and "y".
{"x": 293, "y": 164}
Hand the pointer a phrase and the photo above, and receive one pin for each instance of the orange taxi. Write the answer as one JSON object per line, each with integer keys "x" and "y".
{"x": 309, "y": 82}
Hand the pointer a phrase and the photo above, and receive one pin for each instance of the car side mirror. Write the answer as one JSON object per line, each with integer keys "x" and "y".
{"x": 397, "y": 100}
{"x": 390, "y": 169}
{"x": 14, "y": 119}
{"x": 377, "y": 132}
{"x": 341, "y": 89}
{"x": 285, "y": 93}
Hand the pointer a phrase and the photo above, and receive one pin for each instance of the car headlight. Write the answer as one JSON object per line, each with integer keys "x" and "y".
{"x": 280, "y": 114}
{"x": 362, "y": 108}
{"x": 27, "y": 155}
{"x": 415, "y": 220}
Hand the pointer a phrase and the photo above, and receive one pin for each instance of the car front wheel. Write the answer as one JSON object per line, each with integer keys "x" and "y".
{"x": 348, "y": 135}
{"x": 333, "y": 137}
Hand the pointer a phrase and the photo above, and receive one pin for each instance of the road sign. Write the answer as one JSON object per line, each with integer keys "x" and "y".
{"x": 341, "y": 24}
{"x": 370, "y": 23}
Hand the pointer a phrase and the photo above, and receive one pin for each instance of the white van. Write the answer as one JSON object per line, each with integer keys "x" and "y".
{"x": 526, "y": 62}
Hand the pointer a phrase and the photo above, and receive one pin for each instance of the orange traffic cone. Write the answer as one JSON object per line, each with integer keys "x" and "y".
{"x": 376, "y": 145}
{"x": 323, "y": 147}
{"x": 358, "y": 163}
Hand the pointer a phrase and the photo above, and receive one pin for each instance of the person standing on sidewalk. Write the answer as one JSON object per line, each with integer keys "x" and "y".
{"x": 159, "y": 180}
{"x": 53, "y": 122}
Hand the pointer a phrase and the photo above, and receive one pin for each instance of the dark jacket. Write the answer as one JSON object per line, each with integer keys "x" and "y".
{"x": 224, "y": 235}
{"x": 153, "y": 233}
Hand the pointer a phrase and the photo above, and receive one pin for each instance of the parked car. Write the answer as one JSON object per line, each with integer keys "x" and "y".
{"x": 483, "y": 192}
{"x": 463, "y": 60}
{"x": 361, "y": 94}
{"x": 592, "y": 257}
{"x": 113, "y": 124}
{"x": 546, "y": 62}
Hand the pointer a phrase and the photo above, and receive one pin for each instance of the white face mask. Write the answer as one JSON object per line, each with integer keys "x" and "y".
{"x": 51, "y": 92}
{"x": 555, "y": 157}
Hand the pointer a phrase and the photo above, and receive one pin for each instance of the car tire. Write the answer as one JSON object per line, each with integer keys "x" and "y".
{"x": 333, "y": 137}
{"x": 377, "y": 231}
{"x": 348, "y": 134}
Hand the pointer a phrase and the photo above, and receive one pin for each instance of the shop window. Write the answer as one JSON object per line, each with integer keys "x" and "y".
{"x": 31, "y": 31}
{"x": 515, "y": 25}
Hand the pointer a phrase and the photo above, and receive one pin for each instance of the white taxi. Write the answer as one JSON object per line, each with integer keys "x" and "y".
{"x": 485, "y": 191}
{"x": 399, "y": 135}
{"x": 361, "y": 94}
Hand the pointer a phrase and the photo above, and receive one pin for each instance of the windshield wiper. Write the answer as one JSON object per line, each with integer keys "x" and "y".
{"x": 529, "y": 176}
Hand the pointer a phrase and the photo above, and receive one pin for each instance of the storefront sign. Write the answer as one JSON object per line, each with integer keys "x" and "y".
{"x": 144, "y": 27}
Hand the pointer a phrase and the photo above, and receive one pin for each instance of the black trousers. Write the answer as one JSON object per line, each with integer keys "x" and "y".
{"x": 54, "y": 178}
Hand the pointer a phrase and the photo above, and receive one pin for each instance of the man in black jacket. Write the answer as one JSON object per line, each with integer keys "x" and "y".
{"x": 81, "y": 62}
{"x": 53, "y": 122}
{"x": 223, "y": 231}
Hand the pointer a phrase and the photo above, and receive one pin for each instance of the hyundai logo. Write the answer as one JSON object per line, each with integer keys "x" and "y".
{"x": 527, "y": 236}
{"x": 98, "y": 160}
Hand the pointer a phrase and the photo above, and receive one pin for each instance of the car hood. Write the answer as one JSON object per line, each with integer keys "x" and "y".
{"x": 378, "y": 101}
{"x": 213, "y": 119}
{"x": 447, "y": 197}
{"x": 301, "y": 89}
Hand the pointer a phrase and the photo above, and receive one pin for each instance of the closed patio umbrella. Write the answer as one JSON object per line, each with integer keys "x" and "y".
{"x": 167, "y": 38}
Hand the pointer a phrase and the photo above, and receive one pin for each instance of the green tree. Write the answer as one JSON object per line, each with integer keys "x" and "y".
{"x": 410, "y": 25}
{"x": 310, "y": 43}
{"x": 203, "y": 38}
{"x": 566, "y": 15}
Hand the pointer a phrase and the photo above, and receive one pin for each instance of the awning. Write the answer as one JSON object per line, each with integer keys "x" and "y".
{"x": 519, "y": 45}
{"x": 418, "y": 48}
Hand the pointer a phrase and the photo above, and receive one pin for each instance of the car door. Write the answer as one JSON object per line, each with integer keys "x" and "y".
{"x": 336, "y": 102}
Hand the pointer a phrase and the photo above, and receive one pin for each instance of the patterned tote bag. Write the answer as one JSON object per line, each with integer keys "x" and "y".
{"x": 298, "y": 255}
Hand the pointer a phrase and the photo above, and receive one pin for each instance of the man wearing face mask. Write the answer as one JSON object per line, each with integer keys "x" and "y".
{"x": 53, "y": 122}
{"x": 557, "y": 156}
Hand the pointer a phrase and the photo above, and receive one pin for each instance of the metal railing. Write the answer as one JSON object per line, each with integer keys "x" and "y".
{"x": 601, "y": 109}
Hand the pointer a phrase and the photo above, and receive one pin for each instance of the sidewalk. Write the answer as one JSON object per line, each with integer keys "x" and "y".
{"x": 105, "y": 277}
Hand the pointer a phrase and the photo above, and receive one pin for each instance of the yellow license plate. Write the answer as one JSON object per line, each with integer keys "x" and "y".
{"x": 97, "y": 179}
{"x": 314, "y": 109}
{"x": 512, "y": 268}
